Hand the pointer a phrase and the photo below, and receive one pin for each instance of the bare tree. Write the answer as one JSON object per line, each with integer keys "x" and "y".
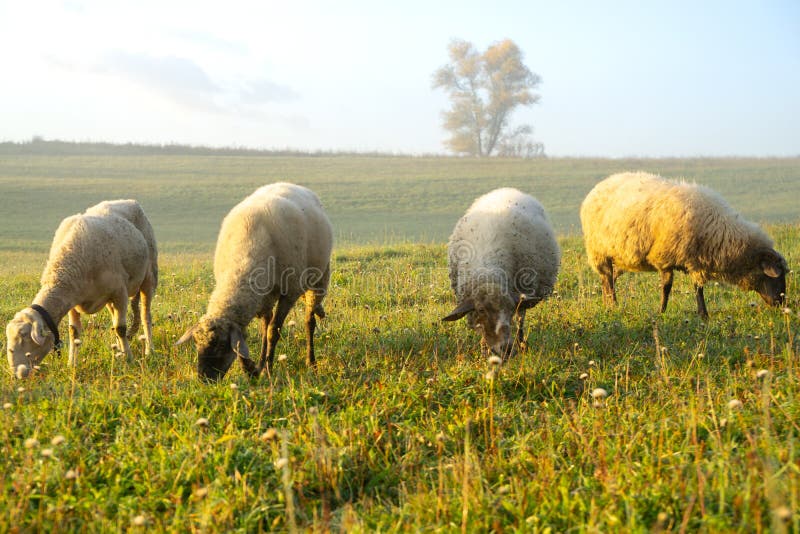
{"x": 484, "y": 90}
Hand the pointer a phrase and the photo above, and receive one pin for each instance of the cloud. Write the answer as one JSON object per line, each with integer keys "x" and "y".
{"x": 264, "y": 91}
{"x": 187, "y": 84}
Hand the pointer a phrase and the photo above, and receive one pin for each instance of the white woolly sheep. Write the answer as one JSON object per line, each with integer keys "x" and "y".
{"x": 642, "y": 222}
{"x": 98, "y": 258}
{"x": 503, "y": 259}
{"x": 273, "y": 247}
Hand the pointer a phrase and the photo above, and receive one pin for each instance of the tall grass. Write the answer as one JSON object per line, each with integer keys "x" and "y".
{"x": 400, "y": 428}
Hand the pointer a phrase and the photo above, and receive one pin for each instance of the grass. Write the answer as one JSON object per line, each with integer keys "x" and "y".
{"x": 400, "y": 429}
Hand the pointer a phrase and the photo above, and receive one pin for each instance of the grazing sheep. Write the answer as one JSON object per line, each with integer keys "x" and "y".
{"x": 273, "y": 247}
{"x": 642, "y": 222}
{"x": 503, "y": 260}
{"x": 98, "y": 258}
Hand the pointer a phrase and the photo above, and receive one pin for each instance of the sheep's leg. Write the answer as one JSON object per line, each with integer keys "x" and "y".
{"x": 135, "y": 307}
{"x": 312, "y": 309}
{"x": 274, "y": 331}
{"x": 118, "y": 306}
{"x": 264, "y": 327}
{"x": 521, "y": 329}
{"x": 75, "y": 331}
{"x": 606, "y": 271}
{"x": 666, "y": 288}
{"x": 701, "y": 302}
{"x": 146, "y": 291}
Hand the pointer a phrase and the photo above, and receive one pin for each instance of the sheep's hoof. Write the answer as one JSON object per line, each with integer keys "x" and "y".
{"x": 249, "y": 367}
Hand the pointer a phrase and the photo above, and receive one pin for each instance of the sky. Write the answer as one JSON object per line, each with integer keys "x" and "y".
{"x": 619, "y": 78}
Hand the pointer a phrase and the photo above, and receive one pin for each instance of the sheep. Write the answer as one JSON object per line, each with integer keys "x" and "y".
{"x": 98, "y": 258}
{"x": 273, "y": 247}
{"x": 642, "y": 222}
{"x": 503, "y": 259}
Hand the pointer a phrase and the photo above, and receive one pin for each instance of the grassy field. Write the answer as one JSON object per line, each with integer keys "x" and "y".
{"x": 400, "y": 428}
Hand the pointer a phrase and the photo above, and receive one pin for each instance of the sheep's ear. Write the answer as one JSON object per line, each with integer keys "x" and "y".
{"x": 186, "y": 335}
{"x": 37, "y": 332}
{"x": 460, "y": 311}
{"x": 238, "y": 343}
{"x": 772, "y": 264}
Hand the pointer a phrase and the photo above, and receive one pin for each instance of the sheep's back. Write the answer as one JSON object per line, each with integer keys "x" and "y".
{"x": 505, "y": 231}
{"x": 280, "y": 225}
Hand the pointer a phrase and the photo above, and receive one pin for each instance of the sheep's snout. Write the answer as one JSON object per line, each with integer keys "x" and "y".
{"x": 212, "y": 368}
{"x": 505, "y": 349}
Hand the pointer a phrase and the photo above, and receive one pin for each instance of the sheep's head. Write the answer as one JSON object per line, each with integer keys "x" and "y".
{"x": 490, "y": 312}
{"x": 767, "y": 277}
{"x": 218, "y": 342}
{"x": 28, "y": 339}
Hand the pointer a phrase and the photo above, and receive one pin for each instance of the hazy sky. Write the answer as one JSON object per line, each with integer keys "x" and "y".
{"x": 650, "y": 78}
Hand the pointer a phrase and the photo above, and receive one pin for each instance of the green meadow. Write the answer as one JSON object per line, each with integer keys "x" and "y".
{"x": 402, "y": 427}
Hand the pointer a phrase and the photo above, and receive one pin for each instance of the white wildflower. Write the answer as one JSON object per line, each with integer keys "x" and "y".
{"x": 599, "y": 393}
{"x": 735, "y": 404}
{"x": 22, "y": 371}
{"x": 269, "y": 435}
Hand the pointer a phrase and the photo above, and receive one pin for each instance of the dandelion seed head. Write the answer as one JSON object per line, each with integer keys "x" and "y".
{"x": 784, "y": 513}
{"x": 495, "y": 360}
{"x": 142, "y": 337}
{"x": 762, "y": 373}
{"x": 269, "y": 435}
{"x": 735, "y": 404}
{"x": 77, "y": 342}
{"x": 20, "y": 389}
{"x": 787, "y": 310}
{"x": 71, "y": 474}
{"x": 200, "y": 492}
{"x": 280, "y": 463}
{"x": 202, "y": 422}
{"x": 234, "y": 386}
{"x": 31, "y": 443}
{"x": 22, "y": 371}
{"x": 291, "y": 324}
{"x": 599, "y": 393}
{"x": 592, "y": 363}
{"x": 47, "y": 453}
{"x": 58, "y": 440}
{"x": 282, "y": 357}
{"x": 584, "y": 376}
{"x": 7, "y": 406}
{"x": 139, "y": 521}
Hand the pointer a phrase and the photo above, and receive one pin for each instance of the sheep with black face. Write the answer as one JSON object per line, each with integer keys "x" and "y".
{"x": 273, "y": 248}
{"x": 642, "y": 222}
{"x": 503, "y": 259}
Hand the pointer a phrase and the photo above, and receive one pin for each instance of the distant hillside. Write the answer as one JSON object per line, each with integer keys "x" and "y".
{"x": 370, "y": 198}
